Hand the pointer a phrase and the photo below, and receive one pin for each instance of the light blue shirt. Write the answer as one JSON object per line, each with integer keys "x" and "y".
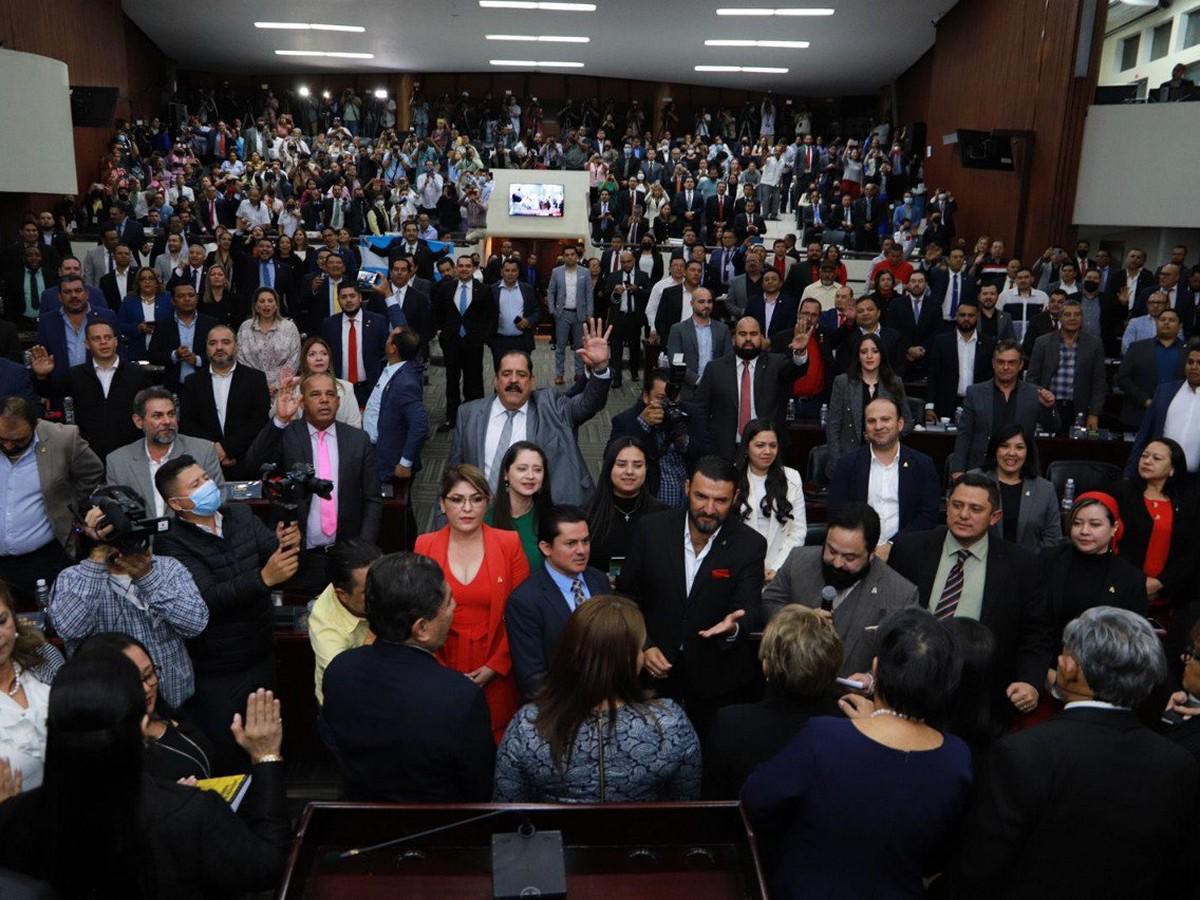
{"x": 565, "y": 582}
{"x": 370, "y": 421}
{"x": 704, "y": 342}
{"x": 512, "y": 306}
{"x": 187, "y": 335}
{"x": 26, "y": 525}
{"x": 76, "y": 348}
{"x": 1140, "y": 328}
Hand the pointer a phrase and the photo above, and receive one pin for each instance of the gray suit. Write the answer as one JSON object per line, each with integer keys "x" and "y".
{"x": 130, "y": 466}
{"x": 95, "y": 265}
{"x": 844, "y": 425}
{"x": 162, "y": 265}
{"x": 683, "y": 340}
{"x": 975, "y": 429}
{"x": 568, "y": 323}
{"x": 1090, "y": 385}
{"x": 1039, "y": 521}
{"x": 68, "y": 472}
{"x": 737, "y": 298}
{"x": 552, "y": 421}
{"x": 880, "y": 591}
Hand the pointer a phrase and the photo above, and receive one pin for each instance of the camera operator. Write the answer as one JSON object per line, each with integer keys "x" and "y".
{"x": 671, "y": 429}
{"x": 236, "y": 561}
{"x": 123, "y": 586}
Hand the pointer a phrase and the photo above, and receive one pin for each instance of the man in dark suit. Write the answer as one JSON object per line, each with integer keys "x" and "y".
{"x": 774, "y": 310}
{"x": 674, "y": 302}
{"x": 610, "y": 259}
{"x": 120, "y": 282}
{"x": 948, "y": 379}
{"x": 403, "y": 423}
{"x": 962, "y": 570}
{"x": 918, "y": 317}
{"x": 25, "y": 285}
{"x": 337, "y": 452}
{"x": 603, "y": 217}
{"x": 1146, "y": 365}
{"x": 230, "y": 412}
{"x": 62, "y": 333}
{"x": 179, "y": 341}
{"x": 14, "y": 253}
{"x": 539, "y": 607}
{"x": 260, "y": 270}
{"x": 813, "y": 218}
{"x": 729, "y": 260}
{"x": 869, "y": 210}
{"x": 901, "y": 484}
{"x": 718, "y": 211}
{"x": 1180, "y": 297}
{"x": 1131, "y": 281}
{"x": 356, "y": 340}
{"x": 465, "y": 317}
{"x": 14, "y": 382}
{"x": 129, "y": 231}
{"x": 688, "y": 205}
{"x": 415, "y": 248}
{"x": 1081, "y": 390}
{"x": 748, "y": 224}
{"x": 517, "y": 312}
{"x": 1154, "y": 422}
{"x": 628, "y": 291}
{"x": 193, "y": 273}
{"x": 1093, "y": 779}
{"x": 953, "y": 285}
{"x": 697, "y": 574}
{"x": 634, "y": 226}
{"x": 750, "y": 384}
{"x": 405, "y": 728}
{"x": 402, "y": 302}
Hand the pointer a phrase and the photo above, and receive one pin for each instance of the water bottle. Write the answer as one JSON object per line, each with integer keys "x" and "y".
{"x": 958, "y": 416}
{"x": 791, "y": 410}
{"x": 1068, "y": 499}
{"x": 277, "y": 598}
{"x": 1079, "y": 430}
{"x": 824, "y": 414}
{"x": 28, "y": 360}
{"x": 43, "y": 595}
{"x": 69, "y": 410}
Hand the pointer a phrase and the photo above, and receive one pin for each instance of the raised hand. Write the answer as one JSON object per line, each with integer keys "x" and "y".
{"x": 261, "y": 732}
{"x": 800, "y": 336}
{"x": 287, "y": 401}
{"x": 594, "y": 347}
{"x": 43, "y": 361}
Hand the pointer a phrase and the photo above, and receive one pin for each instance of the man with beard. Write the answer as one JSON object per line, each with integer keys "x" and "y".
{"x": 697, "y": 574}
{"x": 958, "y": 359}
{"x": 866, "y": 588}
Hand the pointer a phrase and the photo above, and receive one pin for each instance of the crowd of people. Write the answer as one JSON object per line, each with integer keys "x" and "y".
{"x": 961, "y": 671}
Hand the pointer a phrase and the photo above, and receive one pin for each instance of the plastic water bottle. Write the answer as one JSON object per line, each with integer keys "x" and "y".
{"x": 791, "y": 410}
{"x": 958, "y": 416}
{"x": 43, "y": 595}
{"x": 824, "y": 414}
{"x": 1068, "y": 499}
{"x": 69, "y": 410}
{"x": 1080, "y": 429}
{"x": 277, "y": 598}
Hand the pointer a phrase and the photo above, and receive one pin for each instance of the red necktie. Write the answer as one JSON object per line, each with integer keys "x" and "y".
{"x": 352, "y": 350}
{"x": 744, "y": 399}
{"x": 779, "y": 265}
{"x": 841, "y": 320}
{"x": 721, "y": 209}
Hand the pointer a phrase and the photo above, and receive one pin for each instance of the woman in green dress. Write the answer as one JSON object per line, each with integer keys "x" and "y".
{"x": 523, "y": 497}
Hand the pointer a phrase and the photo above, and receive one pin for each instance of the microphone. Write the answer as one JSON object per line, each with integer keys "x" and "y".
{"x": 828, "y": 593}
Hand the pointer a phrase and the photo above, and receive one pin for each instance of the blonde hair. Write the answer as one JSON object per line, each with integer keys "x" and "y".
{"x": 801, "y": 653}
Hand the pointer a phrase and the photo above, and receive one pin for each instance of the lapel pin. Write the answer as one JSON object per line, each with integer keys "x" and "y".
{"x": 904, "y": 465}
{"x": 1112, "y": 589}
{"x": 874, "y": 590}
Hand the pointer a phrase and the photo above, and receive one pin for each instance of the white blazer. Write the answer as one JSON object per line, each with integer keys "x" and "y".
{"x": 782, "y": 537}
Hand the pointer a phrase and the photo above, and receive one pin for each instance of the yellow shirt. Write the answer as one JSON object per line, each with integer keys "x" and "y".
{"x": 331, "y": 629}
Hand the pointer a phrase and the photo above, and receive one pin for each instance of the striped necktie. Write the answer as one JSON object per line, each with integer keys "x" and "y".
{"x": 952, "y": 592}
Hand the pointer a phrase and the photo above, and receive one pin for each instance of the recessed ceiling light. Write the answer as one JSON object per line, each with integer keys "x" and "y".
{"x": 309, "y": 26}
{"x": 540, "y": 4}
{"x": 718, "y": 68}
{"x": 336, "y": 53}
{"x": 759, "y": 70}
{"x": 380, "y": 93}
{"x": 796, "y": 45}
{"x": 535, "y": 64}
{"x": 344, "y": 55}
{"x": 542, "y": 38}
{"x": 303, "y": 90}
{"x": 784, "y": 11}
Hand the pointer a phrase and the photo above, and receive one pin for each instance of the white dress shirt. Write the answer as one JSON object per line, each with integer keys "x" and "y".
{"x": 357, "y": 319}
{"x": 106, "y": 374}
{"x": 883, "y": 493}
{"x": 966, "y": 360}
{"x": 512, "y": 306}
{"x": 691, "y": 559}
{"x": 122, "y": 279}
{"x": 148, "y": 315}
{"x": 221, "y": 382}
{"x": 656, "y": 293}
{"x": 495, "y": 425}
{"x": 948, "y": 300}
{"x": 160, "y": 505}
{"x": 571, "y": 282}
{"x": 1183, "y": 424}
{"x": 769, "y": 307}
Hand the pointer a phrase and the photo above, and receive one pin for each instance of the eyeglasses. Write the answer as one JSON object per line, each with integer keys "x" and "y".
{"x": 459, "y": 501}
{"x": 150, "y": 676}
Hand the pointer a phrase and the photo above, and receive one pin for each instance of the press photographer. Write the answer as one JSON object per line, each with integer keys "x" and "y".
{"x": 121, "y": 585}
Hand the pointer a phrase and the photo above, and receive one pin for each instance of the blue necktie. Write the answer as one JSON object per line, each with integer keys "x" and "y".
{"x": 264, "y": 277}
{"x": 462, "y": 310}
{"x": 953, "y": 295}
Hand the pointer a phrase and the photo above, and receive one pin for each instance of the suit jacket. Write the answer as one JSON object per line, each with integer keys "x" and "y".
{"x": 1003, "y": 330}
{"x": 95, "y": 265}
{"x": 424, "y": 257}
{"x": 729, "y": 578}
{"x": 846, "y": 339}
{"x": 553, "y": 421}
{"x": 480, "y": 320}
{"x": 535, "y": 615}
{"x": 52, "y": 334}
{"x": 129, "y": 465}
{"x": 166, "y": 341}
{"x": 720, "y": 389}
{"x": 185, "y": 274}
{"x": 713, "y": 215}
{"x": 1099, "y": 776}
{"x": 1014, "y": 602}
{"x": 531, "y": 311}
{"x": 610, "y": 303}
{"x": 417, "y": 310}
{"x": 975, "y": 429}
{"x": 403, "y": 421}
{"x": 844, "y": 423}
{"x": 359, "y": 501}
{"x": 405, "y": 728}
{"x": 741, "y": 290}
{"x": 914, "y": 332}
{"x": 787, "y": 308}
{"x": 248, "y": 278}
{"x": 670, "y": 311}
{"x": 14, "y": 381}
{"x": 1091, "y": 386}
{"x": 10, "y": 342}
{"x": 680, "y": 206}
{"x": 939, "y": 288}
{"x": 920, "y": 485}
{"x": 1138, "y": 378}
{"x": 603, "y": 225}
{"x": 16, "y": 283}
{"x": 879, "y": 592}
{"x": 683, "y": 340}
{"x": 372, "y": 338}
{"x": 68, "y": 472}
{"x": 245, "y": 416}
{"x": 130, "y": 315}
{"x": 1153, "y": 422}
{"x": 867, "y": 222}
{"x": 131, "y": 233}
{"x": 723, "y": 258}
{"x": 210, "y": 214}
{"x": 105, "y": 422}
{"x": 742, "y": 224}
{"x": 112, "y": 294}
{"x": 1039, "y": 521}
{"x": 942, "y": 389}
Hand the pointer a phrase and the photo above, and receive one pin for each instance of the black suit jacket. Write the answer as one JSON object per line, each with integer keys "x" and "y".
{"x": 480, "y": 321}
{"x": 787, "y": 308}
{"x": 1088, "y": 804}
{"x": 166, "y": 341}
{"x": 247, "y": 279}
{"x": 10, "y": 342}
{"x": 359, "y": 501}
{"x": 15, "y": 284}
{"x": 719, "y": 389}
{"x": 939, "y": 287}
{"x": 729, "y": 578}
{"x": 1138, "y": 379}
{"x": 1014, "y": 602}
{"x": 914, "y": 332}
{"x": 106, "y": 423}
{"x": 133, "y": 235}
{"x": 741, "y": 225}
{"x": 418, "y": 312}
{"x": 942, "y": 390}
{"x": 424, "y": 257}
{"x": 108, "y": 287}
{"x": 14, "y": 380}
{"x": 603, "y": 225}
{"x": 615, "y": 302}
{"x": 714, "y": 215}
{"x": 920, "y": 485}
{"x": 669, "y": 314}
{"x": 247, "y": 413}
{"x": 178, "y": 277}
{"x": 372, "y": 337}
{"x": 534, "y": 617}
{"x": 406, "y": 729}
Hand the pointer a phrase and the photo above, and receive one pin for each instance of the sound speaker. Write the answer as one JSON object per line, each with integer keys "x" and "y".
{"x": 914, "y": 139}
{"x": 92, "y": 107}
{"x": 177, "y": 114}
{"x": 982, "y": 150}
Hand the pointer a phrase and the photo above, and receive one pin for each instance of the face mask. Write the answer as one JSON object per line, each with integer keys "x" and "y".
{"x": 206, "y": 499}
{"x": 907, "y": 198}
{"x": 840, "y": 579}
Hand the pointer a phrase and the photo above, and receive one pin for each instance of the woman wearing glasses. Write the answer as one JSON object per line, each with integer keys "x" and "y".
{"x": 482, "y": 565}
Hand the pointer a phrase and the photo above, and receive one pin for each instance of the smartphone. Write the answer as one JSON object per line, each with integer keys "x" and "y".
{"x": 853, "y": 685}
{"x": 615, "y": 564}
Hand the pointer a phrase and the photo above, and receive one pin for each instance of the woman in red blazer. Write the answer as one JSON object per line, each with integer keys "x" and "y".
{"x": 482, "y": 565}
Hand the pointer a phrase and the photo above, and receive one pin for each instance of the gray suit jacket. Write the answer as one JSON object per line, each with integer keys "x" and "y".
{"x": 163, "y": 266}
{"x": 844, "y": 425}
{"x": 128, "y": 466}
{"x": 1090, "y": 385}
{"x": 879, "y": 592}
{"x": 1039, "y": 521}
{"x": 557, "y": 294}
{"x": 95, "y": 265}
{"x": 68, "y": 471}
{"x": 683, "y": 340}
{"x": 1004, "y": 326}
{"x": 975, "y": 429}
{"x": 737, "y": 298}
{"x": 552, "y": 423}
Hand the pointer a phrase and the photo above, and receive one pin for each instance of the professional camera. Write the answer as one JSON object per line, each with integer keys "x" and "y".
{"x": 287, "y": 490}
{"x": 674, "y": 415}
{"x": 125, "y": 513}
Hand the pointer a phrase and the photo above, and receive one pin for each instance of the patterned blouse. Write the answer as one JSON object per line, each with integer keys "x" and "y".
{"x": 270, "y": 351}
{"x": 653, "y": 755}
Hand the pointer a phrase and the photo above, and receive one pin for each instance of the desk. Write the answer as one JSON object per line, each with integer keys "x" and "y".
{"x": 397, "y": 527}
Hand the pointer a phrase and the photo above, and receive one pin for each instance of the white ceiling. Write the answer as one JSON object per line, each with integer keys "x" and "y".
{"x": 864, "y": 45}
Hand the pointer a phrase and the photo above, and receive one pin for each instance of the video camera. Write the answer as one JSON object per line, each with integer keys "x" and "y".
{"x": 674, "y": 416}
{"x": 288, "y": 489}
{"x": 125, "y": 513}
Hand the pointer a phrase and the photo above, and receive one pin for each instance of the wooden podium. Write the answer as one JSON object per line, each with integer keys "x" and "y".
{"x": 701, "y": 851}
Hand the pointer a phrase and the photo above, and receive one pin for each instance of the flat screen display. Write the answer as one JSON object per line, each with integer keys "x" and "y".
{"x": 535, "y": 200}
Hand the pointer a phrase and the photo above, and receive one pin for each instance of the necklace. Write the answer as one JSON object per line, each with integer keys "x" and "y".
{"x": 887, "y": 711}
{"x": 629, "y": 514}
{"x": 16, "y": 682}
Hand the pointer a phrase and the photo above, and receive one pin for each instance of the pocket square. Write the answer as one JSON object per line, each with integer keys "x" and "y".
{"x": 720, "y": 573}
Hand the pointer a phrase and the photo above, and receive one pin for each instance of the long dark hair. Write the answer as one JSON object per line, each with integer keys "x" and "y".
{"x": 999, "y": 438}
{"x": 971, "y": 715}
{"x": 86, "y": 831}
{"x": 775, "y": 497}
{"x": 600, "y": 513}
{"x": 1174, "y": 484}
{"x": 502, "y": 516}
{"x": 119, "y": 642}
{"x": 594, "y": 661}
{"x": 887, "y": 375}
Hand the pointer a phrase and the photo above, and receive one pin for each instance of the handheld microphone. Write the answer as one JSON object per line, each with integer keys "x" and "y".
{"x": 828, "y": 593}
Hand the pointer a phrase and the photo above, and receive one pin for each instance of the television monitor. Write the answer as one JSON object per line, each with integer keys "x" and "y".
{"x": 543, "y": 200}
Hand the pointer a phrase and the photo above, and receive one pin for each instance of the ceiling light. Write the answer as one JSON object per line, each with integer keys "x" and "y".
{"x": 380, "y": 93}
{"x": 796, "y": 45}
{"x": 785, "y": 11}
{"x": 303, "y": 90}
{"x": 542, "y": 5}
{"x": 309, "y": 26}
{"x": 543, "y": 38}
{"x": 325, "y": 94}
{"x": 758, "y": 70}
{"x": 337, "y": 53}
{"x": 718, "y": 68}
{"x": 534, "y": 64}
{"x": 299, "y": 53}
{"x": 344, "y": 55}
